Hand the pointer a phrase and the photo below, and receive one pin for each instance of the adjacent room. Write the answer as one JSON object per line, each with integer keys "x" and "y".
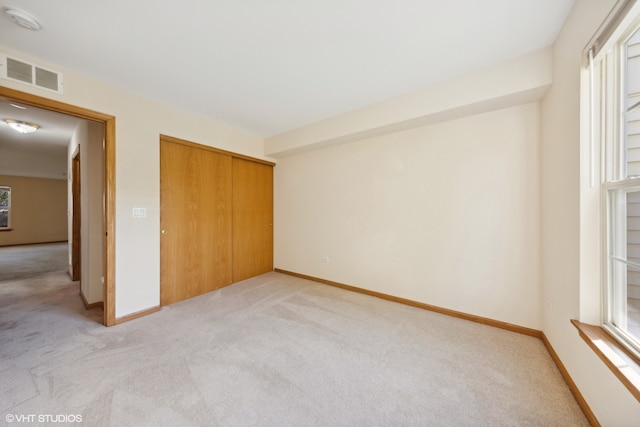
{"x": 320, "y": 213}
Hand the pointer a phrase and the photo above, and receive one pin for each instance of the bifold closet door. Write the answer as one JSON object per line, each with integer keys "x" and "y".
{"x": 252, "y": 219}
{"x": 195, "y": 221}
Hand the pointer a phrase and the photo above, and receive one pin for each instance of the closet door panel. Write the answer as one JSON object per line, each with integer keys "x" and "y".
{"x": 195, "y": 217}
{"x": 252, "y": 219}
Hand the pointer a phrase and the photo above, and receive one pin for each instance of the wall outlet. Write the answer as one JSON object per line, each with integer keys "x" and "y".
{"x": 325, "y": 259}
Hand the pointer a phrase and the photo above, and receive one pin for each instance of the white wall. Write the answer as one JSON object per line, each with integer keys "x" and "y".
{"x": 446, "y": 214}
{"x": 89, "y": 139}
{"x": 139, "y": 122}
{"x": 570, "y": 278}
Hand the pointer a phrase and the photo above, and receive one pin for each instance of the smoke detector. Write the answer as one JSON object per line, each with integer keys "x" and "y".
{"x": 23, "y": 19}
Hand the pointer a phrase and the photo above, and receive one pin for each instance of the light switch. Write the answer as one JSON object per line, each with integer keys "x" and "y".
{"x": 139, "y": 212}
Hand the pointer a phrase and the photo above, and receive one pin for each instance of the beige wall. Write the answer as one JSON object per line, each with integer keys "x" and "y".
{"x": 41, "y": 163}
{"x": 570, "y": 225}
{"x": 38, "y": 210}
{"x": 446, "y": 214}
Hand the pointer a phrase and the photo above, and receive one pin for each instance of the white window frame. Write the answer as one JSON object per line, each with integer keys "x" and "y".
{"x": 7, "y": 207}
{"x": 608, "y": 77}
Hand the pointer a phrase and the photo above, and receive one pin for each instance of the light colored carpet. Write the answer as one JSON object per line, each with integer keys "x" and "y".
{"x": 30, "y": 260}
{"x": 270, "y": 351}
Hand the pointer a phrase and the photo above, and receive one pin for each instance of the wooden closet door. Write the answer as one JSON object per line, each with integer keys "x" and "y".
{"x": 252, "y": 219}
{"x": 195, "y": 219}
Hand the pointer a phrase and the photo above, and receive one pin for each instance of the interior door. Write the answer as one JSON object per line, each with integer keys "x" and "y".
{"x": 195, "y": 221}
{"x": 252, "y": 219}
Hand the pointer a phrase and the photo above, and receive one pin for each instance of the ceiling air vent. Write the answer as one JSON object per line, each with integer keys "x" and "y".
{"x": 25, "y": 72}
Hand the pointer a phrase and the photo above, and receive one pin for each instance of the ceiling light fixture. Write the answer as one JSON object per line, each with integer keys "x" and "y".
{"x": 22, "y": 127}
{"x": 23, "y": 19}
{"x": 18, "y": 106}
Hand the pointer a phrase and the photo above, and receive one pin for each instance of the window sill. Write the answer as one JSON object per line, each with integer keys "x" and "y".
{"x": 5, "y": 229}
{"x": 621, "y": 362}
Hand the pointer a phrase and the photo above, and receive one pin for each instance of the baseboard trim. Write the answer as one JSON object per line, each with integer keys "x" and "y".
{"x": 466, "y": 316}
{"x": 572, "y": 386}
{"x": 136, "y": 315}
{"x": 93, "y": 305}
{"x": 32, "y": 243}
{"x": 584, "y": 406}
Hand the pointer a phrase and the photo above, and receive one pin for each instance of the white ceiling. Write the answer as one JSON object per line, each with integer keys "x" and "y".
{"x": 41, "y": 154}
{"x": 272, "y": 66}
{"x": 55, "y": 130}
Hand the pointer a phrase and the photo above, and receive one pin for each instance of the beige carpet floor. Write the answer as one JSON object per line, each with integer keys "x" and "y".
{"x": 29, "y": 260}
{"x": 270, "y": 351}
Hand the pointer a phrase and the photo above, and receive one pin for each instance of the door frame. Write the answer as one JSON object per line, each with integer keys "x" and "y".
{"x": 76, "y": 217}
{"x": 109, "y": 190}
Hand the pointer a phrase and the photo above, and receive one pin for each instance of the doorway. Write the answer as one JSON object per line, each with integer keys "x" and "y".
{"x": 109, "y": 182}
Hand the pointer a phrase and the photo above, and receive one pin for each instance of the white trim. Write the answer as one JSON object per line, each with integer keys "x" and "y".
{"x": 621, "y": 16}
{"x": 624, "y": 339}
{"x": 608, "y": 106}
{"x": 592, "y": 122}
{"x": 625, "y": 261}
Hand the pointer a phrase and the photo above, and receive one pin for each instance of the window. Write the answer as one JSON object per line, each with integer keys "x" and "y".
{"x": 615, "y": 95}
{"x": 5, "y": 207}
